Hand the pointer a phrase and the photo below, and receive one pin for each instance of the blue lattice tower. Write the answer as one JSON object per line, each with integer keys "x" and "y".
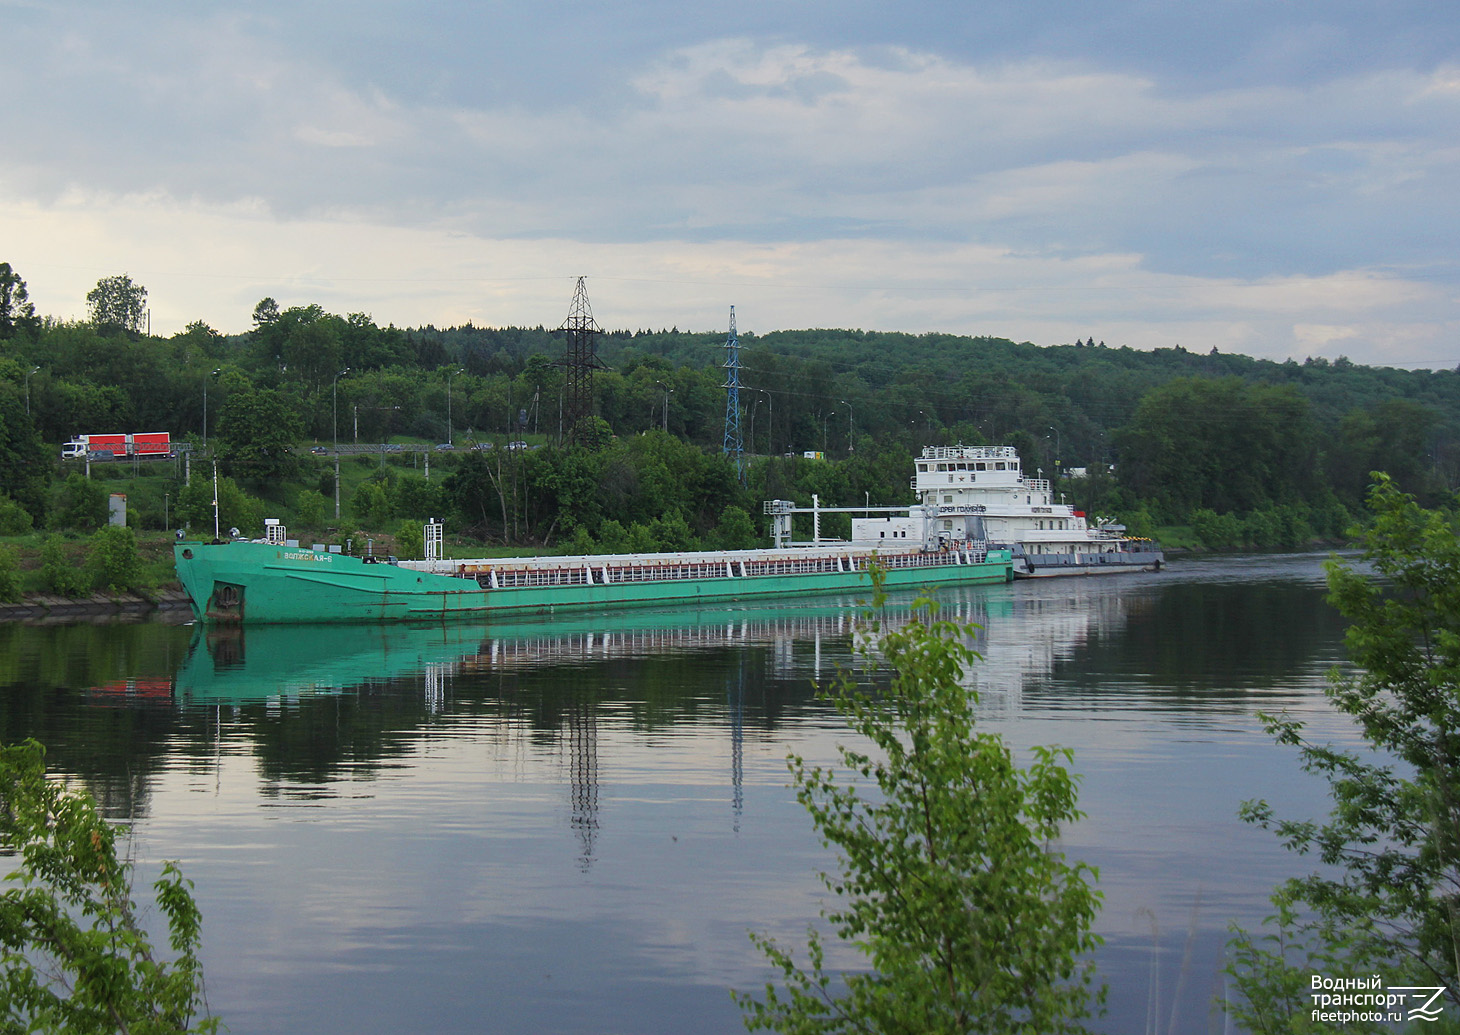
{"x": 734, "y": 444}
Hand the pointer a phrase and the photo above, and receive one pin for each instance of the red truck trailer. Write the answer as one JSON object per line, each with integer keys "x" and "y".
{"x": 147, "y": 445}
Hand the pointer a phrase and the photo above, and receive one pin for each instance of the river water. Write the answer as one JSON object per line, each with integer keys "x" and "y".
{"x": 571, "y": 826}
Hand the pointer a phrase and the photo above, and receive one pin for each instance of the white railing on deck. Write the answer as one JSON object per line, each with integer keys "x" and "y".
{"x": 501, "y": 577}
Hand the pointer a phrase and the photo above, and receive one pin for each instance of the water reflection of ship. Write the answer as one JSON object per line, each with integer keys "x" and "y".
{"x": 1049, "y": 623}
{"x": 1023, "y": 631}
{"x": 279, "y": 662}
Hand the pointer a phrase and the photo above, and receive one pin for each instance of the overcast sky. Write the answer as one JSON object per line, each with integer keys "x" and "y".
{"x": 1273, "y": 177}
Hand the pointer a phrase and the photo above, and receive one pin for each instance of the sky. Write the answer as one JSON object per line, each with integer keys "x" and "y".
{"x": 1277, "y": 178}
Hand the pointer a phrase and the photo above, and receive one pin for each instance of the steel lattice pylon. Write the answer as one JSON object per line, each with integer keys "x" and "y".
{"x": 581, "y": 360}
{"x": 734, "y": 444}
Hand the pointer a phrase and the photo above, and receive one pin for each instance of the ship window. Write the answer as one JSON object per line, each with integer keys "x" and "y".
{"x": 1000, "y": 466}
{"x": 981, "y": 467}
{"x": 942, "y": 467}
{"x": 948, "y": 525}
{"x": 948, "y": 499}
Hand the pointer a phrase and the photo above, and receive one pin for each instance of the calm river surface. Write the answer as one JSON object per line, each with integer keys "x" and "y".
{"x": 571, "y": 826}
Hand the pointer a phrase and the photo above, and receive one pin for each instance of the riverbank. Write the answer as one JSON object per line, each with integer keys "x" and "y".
{"x": 43, "y": 606}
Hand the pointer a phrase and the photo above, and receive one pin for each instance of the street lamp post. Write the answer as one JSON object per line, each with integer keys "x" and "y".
{"x": 752, "y": 424}
{"x": 335, "y": 400}
{"x": 215, "y": 373}
{"x": 27, "y": 389}
{"x": 770, "y": 442}
{"x": 1056, "y": 451}
{"x": 850, "y": 448}
{"x": 667, "y": 393}
{"x": 449, "y": 375}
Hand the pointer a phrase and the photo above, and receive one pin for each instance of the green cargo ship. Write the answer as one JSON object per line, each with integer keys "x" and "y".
{"x": 263, "y": 581}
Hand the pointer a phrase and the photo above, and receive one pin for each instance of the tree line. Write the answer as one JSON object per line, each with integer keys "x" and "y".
{"x": 1245, "y": 450}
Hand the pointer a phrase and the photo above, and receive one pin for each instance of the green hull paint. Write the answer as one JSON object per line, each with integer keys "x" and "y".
{"x": 262, "y": 582}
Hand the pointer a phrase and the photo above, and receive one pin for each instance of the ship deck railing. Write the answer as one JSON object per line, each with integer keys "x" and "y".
{"x": 525, "y": 573}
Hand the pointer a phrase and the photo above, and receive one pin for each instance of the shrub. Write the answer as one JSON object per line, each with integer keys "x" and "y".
{"x": 949, "y": 878}
{"x": 310, "y": 506}
{"x": 736, "y": 531}
{"x": 74, "y": 955}
{"x": 60, "y": 573}
{"x": 410, "y": 541}
{"x": 371, "y": 503}
{"x": 14, "y": 519}
{"x": 113, "y": 563}
{"x": 9, "y": 574}
{"x": 1216, "y": 531}
{"x": 79, "y": 505}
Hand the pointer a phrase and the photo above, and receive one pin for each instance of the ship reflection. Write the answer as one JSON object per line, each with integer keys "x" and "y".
{"x": 571, "y": 683}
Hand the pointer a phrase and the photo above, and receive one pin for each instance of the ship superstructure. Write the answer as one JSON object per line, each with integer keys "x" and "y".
{"x": 981, "y": 494}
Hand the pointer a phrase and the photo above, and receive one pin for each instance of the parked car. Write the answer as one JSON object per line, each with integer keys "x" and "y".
{"x": 482, "y": 446}
{"x": 320, "y": 451}
{"x": 392, "y": 447}
{"x": 517, "y": 445}
{"x": 444, "y": 446}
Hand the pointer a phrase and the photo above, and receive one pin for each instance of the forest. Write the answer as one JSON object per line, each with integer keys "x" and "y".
{"x": 1246, "y": 452}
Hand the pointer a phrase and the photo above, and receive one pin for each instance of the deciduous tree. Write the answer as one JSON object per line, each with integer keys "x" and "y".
{"x": 950, "y": 878}
{"x": 74, "y": 955}
{"x": 117, "y": 304}
{"x": 17, "y": 312}
{"x": 1386, "y": 899}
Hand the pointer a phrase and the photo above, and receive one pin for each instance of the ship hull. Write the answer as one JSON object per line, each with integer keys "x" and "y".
{"x": 255, "y": 583}
{"x": 1052, "y": 565}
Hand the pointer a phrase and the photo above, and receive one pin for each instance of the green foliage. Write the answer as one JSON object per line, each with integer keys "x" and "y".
{"x": 1384, "y": 901}
{"x": 1263, "y": 529}
{"x": 735, "y": 531}
{"x": 17, "y": 312}
{"x": 117, "y": 304}
{"x": 9, "y": 574}
{"x": 1392, "y": 436}
{"x": 1204, "y": 442}
{"x": 950, "y": 881}
{"x": 24, "y": 472}
{"x": 1274, "y": 973}
{"x": 1216, "y": 531}
{"x": 75, "y": 956}
{"x": 672, "y": 533}
{"x": 60, "y": 573}
{"x": 416, "y": 498}
{"x": 582, "y": 544}
{"x": 112, "y": 563}
{"x": 236, "y": 508}
{"x": 258, "y": 430}
{"x": 1166, "y": 430}
{"x": 79, "y": 505}
{"x": 371, "y": 503}
{"x": 613, "y": 537}
{"x": 1140, "y": 523}
{"x": 592, "y": 433}
{"x": 14, "y": 519}
{"x": 310, "y": 506}
{"x": 410, "y": 541}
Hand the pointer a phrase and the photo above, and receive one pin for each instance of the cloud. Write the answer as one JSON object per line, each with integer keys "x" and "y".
{"x": 901, "y": 180}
